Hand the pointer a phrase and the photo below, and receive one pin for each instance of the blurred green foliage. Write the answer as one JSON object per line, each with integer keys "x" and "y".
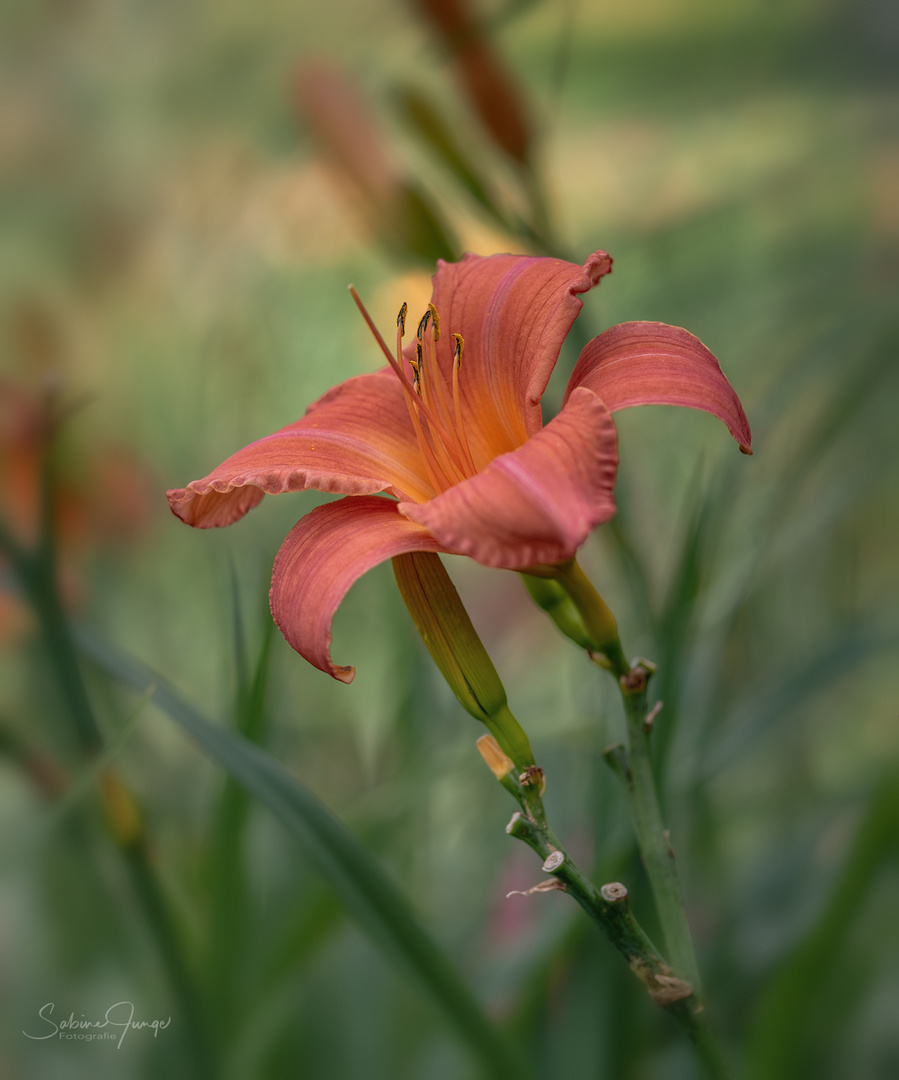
{"x": 174, "y": 258}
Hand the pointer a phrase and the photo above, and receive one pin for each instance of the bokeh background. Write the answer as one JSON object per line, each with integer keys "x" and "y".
{"x": 177, "y": 241}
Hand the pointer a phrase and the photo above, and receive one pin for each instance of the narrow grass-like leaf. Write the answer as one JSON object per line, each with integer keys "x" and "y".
{"x": 229, "y": 895}
{"x": 346, "y": 865}
{"x": 787, "y": 1021}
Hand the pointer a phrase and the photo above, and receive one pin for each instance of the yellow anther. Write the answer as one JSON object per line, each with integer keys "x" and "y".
{"x": 423, "y": 325}
{"x": 401, "y": 319}
{"x": 435, "y": 321}
{"x": 457, "y": 351}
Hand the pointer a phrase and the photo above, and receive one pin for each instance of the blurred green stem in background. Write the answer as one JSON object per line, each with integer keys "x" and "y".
{"x": 632, "y": 763}
{"x": 36, "y": 570}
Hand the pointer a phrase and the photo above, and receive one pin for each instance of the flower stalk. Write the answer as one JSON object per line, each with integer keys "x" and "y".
{"x": 446, "y": 629}
{"x": 633, "y": 766}
{"x": 608, "y": 906}
{"x": 570, "y": 599}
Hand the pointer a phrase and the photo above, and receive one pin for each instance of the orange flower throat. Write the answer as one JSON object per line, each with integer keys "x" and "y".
{"x": 434, "y": 401}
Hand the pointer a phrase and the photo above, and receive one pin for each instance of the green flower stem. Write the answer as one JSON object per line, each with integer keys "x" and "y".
{"x": 633, "y": 764}
{"x": 570, "y": 599}
{"x": 503, "y": 726}
{"x": 609, "y": 906}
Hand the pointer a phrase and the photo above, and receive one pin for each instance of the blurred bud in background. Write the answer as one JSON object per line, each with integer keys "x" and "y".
{"x": 401, "y": 216}
{"x": 490, "y": 90}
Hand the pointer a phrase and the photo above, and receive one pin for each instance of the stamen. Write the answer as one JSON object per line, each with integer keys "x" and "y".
{"x": 457, "y": 402}
{"x": 416, "y": 369}
{"x": 434, "y": 398}
{"x": 437, "y": 391}
{"x": 434, "y": 461}
{"x": 443, "y": 444}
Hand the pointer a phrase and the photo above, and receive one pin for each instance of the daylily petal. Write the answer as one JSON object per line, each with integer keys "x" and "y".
{"x": 649, "y": 363}
{"x": 357, "y": 439}
{"x": 513, "y": 313}
{"x": 323, "y": 554}
{"x": 538, "y": 503}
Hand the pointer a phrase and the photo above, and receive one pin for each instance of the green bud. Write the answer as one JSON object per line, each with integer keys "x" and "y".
{"x": 552, "y": 598}
{"x": 445, "y": 628}
{"x": 568, "y": 597}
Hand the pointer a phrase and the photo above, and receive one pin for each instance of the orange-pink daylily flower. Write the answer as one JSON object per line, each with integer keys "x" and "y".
{"x": 445, "y": 449}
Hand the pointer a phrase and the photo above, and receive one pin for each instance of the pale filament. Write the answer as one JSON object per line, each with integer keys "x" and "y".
{"x": 457, "y": 403}
{"x": 433, "y": 390}
{"x": 450, "y": 412}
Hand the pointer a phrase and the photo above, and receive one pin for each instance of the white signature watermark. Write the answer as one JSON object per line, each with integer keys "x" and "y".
{"x": 120, "y": 1015}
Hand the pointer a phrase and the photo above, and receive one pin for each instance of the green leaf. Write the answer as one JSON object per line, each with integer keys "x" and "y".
{"x": 348, "y": 867}
{"x": 227, "y": 873}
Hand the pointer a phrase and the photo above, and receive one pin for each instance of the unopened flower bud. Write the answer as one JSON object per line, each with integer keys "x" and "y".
{"x": 552, "y": 598}
{"x": 567, "y": 596}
